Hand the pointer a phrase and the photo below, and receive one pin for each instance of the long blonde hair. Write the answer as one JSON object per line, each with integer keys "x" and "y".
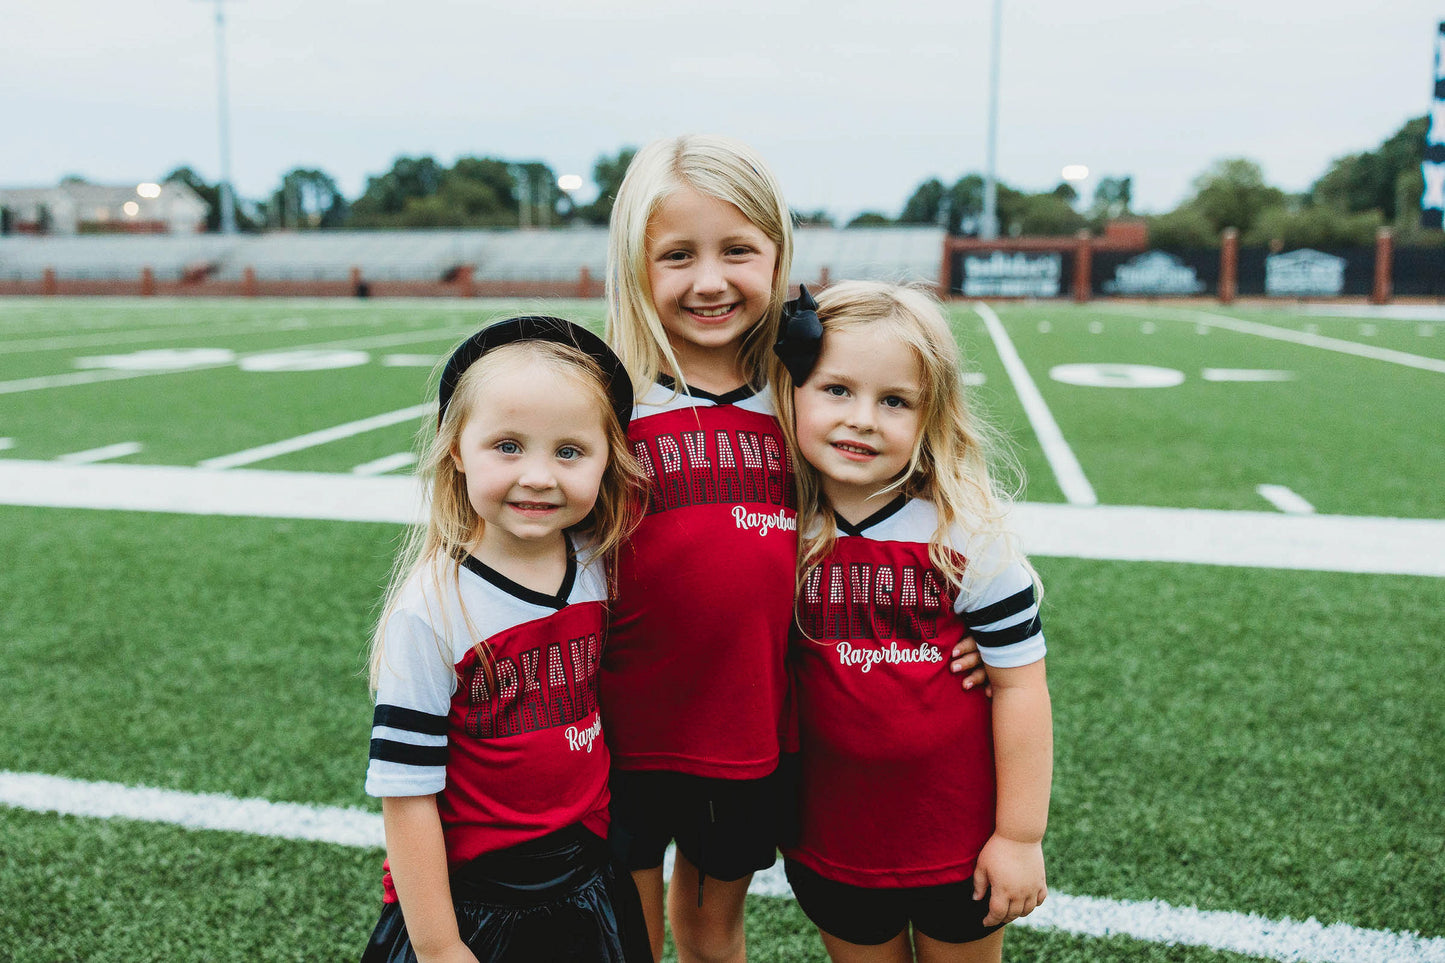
{"x": 953, "y": 459}
{"x": 718, "y": 167}
{"x": 435, "y": 550}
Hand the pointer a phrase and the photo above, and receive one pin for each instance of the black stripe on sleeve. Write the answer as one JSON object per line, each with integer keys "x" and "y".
{"x": 404, "y": 753}
{"x": 1002, "y": 609}
{"x": 410, "y": 720}
{"x": 1009, "y": 635}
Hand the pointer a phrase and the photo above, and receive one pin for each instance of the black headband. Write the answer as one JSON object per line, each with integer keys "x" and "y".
{"x": 800, "y": 337}
{"x": 539, "y": 328}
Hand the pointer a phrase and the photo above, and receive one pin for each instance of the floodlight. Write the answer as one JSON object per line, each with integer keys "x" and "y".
{"x": 569, "y": 182}
{"x": 148, "y": 190}
{"x": 131, "y": 208}
{"x": 1075, "y": 172}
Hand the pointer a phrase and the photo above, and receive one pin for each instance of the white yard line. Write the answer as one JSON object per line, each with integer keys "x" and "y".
{"x": 383, "y": 465}
{"x": 1245, "y": 374}
{"x": 314, "y": 438}
{"x": 1285, "y": 499}
{"x": 1067, "y": 470}
{"x": 89, "y": 377}
{"x": 6, "y": 444}
{"x": 1333, "y": 543}
{"x": 1309, "y": 339}
{"x": 106, "y": 453}
{"x": 1287, "y": 940}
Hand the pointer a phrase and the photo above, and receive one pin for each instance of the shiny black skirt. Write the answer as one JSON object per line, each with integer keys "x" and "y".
{"x": 560, "y": 897}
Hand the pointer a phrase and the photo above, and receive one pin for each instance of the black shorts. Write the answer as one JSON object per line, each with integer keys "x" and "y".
{"x": 867, "y": 916}
{"x": 561, "y": 897}
{"x": 727, "y": 828}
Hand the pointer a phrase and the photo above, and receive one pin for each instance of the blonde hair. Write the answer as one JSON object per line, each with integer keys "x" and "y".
{"x": 717, "y": 167}
{"x": 952, "y": 460}
{"x": 453, "y": 526}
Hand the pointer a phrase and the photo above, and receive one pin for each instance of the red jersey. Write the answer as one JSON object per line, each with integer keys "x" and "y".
{"x": 693, "y": 678}
{"x": 898, "y": 769}
{"x": 513, "y": 756}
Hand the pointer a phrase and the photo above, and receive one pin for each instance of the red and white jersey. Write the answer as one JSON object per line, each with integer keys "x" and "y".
{"x": 898, "y": 768}
{"x": 513, "y": 756}
{"x": 693, "y": 678}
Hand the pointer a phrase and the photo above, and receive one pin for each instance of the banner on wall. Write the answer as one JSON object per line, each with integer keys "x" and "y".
{"x": 998, "y": 274}
{"x": 1304, "y": 273}
{"x": 1432, "y": 202}
{"x": 1155, "y": 273}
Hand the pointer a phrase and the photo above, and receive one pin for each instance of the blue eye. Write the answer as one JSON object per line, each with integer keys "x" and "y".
{"x": 569, "y": 452}
{"x": 508, "y": 447}
{"x": 893, "y": 401}
{"x": 837, "y": 391}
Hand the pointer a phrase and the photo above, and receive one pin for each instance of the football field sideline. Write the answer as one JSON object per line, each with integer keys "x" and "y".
{"x": 1286, "y": 940}
{"x": 1336, "y": 543}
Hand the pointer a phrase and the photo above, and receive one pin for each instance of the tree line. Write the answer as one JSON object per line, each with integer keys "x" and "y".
{"x": 1356, "y": 195}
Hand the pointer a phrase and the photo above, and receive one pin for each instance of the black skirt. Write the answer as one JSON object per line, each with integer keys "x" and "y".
{"x": 560, "y": 897}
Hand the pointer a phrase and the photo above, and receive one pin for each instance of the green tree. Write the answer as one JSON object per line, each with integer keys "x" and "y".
{"x": 1183, "y": 227}
{"x": 308, "y": 199}
{"x": 1314, "y": 225}
{"x": 386, "y": 197}
{"x": 1112, "y": 197}
{"x": 956, "y": 208}
{"x": 1232, "y": 193}
{"x": 1373, "y": 180}
{"x": 870, "y": 219}
{"x": 818, "y": 218}
{"x": 607, "y": 174}
{"x": 246, "y": 216}
{"x": 1047, "y": 215}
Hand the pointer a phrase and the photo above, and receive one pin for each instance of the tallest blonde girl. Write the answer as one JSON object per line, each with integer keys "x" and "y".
{"x": 693, "y": 679}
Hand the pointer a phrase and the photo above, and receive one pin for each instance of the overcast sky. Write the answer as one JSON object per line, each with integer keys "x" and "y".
{"x": 852, "y": 103}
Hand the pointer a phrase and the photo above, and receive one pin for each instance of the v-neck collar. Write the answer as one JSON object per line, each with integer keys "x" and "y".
{"x": 740, "y": 393}
{"x": 884, "y": 513}
{"x": 559, "y": 601}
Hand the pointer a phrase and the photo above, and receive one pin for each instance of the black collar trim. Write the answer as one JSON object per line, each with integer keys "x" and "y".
{"x": 741, "y": 393}
{"x": 884, "y": 513}
{"x": 558, "y": 601}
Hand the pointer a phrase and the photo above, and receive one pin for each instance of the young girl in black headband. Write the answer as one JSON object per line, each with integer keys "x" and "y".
{"x": 487, "y": 747}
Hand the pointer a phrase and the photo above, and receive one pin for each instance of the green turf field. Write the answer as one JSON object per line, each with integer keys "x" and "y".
{"x": 1241, "y": 739}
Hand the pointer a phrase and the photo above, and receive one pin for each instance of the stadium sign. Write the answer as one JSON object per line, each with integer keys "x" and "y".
{"x": 1001, "y": 275}
{"x": 1304, "y": 272}
{"x": 1432, "y": 201}
{"x": 1154, "y": 273}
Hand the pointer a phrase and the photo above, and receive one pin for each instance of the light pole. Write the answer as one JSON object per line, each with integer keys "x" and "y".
{"x": 988, "y": 229}
{"x": 228, "y": 200}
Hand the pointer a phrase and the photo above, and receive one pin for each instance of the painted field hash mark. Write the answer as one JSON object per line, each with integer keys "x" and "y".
{"x": 1287, "y": 940}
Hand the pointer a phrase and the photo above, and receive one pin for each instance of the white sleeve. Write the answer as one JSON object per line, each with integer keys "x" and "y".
{"x": 413, "y": 700}
{"x": 1002, "y": 612}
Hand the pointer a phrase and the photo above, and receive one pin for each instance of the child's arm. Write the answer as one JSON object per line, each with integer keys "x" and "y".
{"x": 1012, "y": 861}
{"x": 417, "y": 857}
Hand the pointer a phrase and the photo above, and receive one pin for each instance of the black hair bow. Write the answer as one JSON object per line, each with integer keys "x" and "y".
{"x": 800, "y": 339}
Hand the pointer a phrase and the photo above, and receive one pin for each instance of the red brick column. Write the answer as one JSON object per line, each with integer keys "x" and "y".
{"x": 248, "y": 282}
{"x": 47, "y": 282}
{"x": 1083, "y": 267}
{"x": 584, "y": 283}
{"x": 147, "y": 282}
{"x": 1228, "y": 265}
{"x": 466, "y": 284}
{"x": 1384, "y": 267}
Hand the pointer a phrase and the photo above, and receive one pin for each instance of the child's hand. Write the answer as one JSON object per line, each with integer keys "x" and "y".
{"x": 966, "y": 660}
{"x": 1014, "y": 871}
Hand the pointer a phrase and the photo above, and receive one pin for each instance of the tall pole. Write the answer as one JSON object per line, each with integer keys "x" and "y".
{"x": 228, "y": 200}
{"x": 988, "y": 230}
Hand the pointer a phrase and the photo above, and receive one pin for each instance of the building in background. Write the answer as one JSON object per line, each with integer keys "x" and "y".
{"x": 75, "y": 206}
